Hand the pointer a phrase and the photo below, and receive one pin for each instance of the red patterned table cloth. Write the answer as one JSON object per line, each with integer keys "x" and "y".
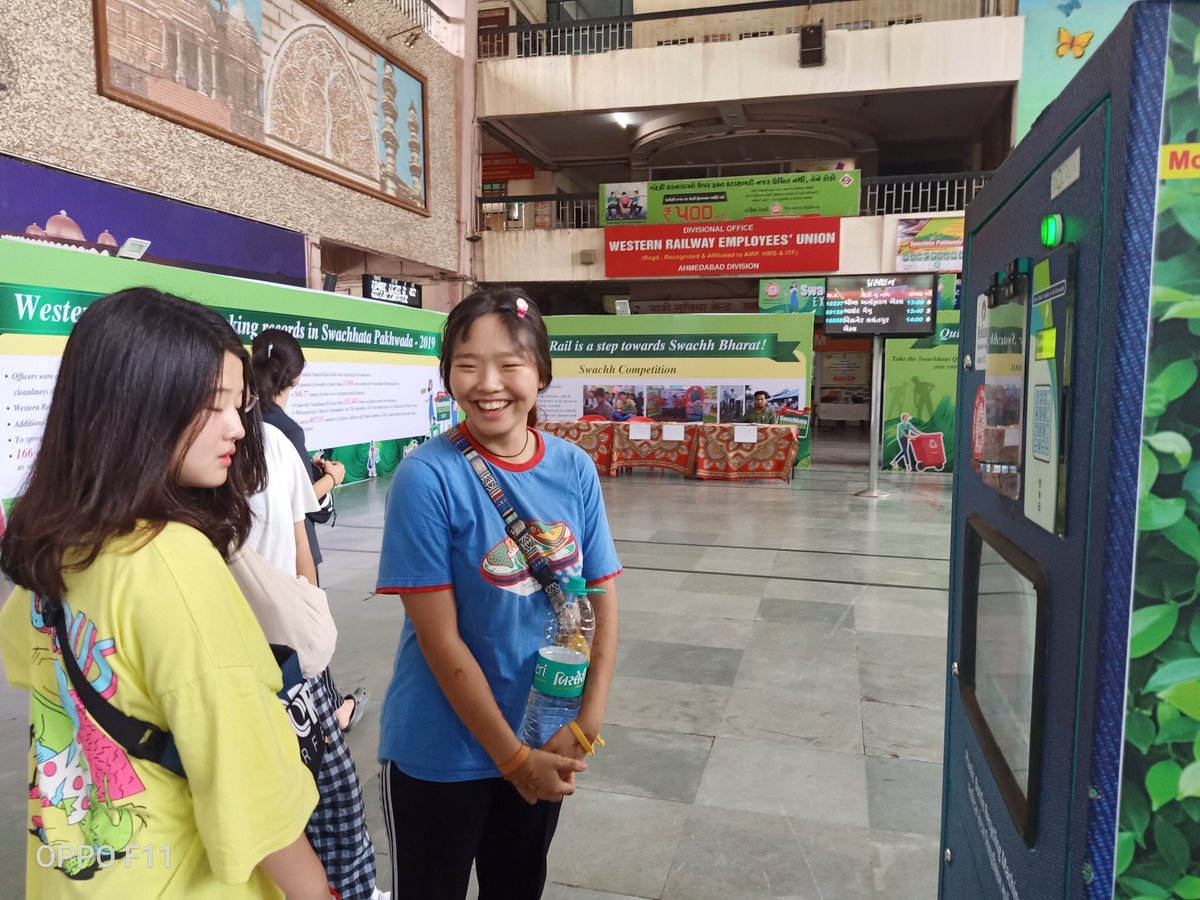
{"x": 655, "y": 453}
{"x": 771, "y": 457}
{"x": 594, "y": 438}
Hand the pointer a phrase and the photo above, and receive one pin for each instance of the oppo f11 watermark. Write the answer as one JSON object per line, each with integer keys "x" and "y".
{"x": 61, "y": 856}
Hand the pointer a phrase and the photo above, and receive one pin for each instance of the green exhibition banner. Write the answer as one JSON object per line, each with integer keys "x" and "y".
{"x": 692, "y": 368}
{"x": 920, "y": 382}
{"x": 730, "y": 199}
{"x": 792, "y": 295}
{"x": 1159, "y": 820}
{"x": 371, "y": 376}
{"x": 948, "y": 289}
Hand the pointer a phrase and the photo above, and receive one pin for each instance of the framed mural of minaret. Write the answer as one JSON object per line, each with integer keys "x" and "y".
{"x": 283, "y": 78}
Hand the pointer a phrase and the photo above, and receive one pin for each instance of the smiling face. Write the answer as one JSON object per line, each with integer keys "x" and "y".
{"x": 494, "y": 378}
{"x": 215, "y": 432}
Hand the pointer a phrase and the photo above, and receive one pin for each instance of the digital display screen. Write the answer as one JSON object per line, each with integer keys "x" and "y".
{"x": 391, "y": 290}
{"x": 887, "y": 305}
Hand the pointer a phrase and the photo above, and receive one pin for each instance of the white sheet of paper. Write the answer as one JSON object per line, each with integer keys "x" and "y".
{"x": 745, "y": 434}
{"x": 673, "y": 432}
{"x": 639, "y": 431}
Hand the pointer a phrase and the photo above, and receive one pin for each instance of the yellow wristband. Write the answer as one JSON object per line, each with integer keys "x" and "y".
{"x": 588, "y": 747}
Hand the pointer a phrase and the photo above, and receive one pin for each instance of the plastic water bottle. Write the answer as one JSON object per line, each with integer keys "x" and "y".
{"x": 561, "y": 668}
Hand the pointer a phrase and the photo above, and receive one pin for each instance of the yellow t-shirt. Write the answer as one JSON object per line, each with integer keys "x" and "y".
{"x": 162, "y": 632}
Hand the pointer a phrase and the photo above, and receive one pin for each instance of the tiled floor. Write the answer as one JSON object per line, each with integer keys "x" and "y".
{"x": 775, "y": 724}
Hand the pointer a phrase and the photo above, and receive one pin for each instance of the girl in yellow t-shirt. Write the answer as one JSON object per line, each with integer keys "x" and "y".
{"x": 138, "y": 488}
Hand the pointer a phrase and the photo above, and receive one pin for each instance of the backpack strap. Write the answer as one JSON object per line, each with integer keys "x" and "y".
{"x": 140, "y": 739}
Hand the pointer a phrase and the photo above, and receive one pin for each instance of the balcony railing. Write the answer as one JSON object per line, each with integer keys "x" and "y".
{"x": 902, "y": 194}
{"x": 889, "y": 195}
{"x": 431, "y": 19}
{"x": 732, "y": 22}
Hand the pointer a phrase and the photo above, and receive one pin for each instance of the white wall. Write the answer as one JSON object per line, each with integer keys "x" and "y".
{"x": 932, "y": 54}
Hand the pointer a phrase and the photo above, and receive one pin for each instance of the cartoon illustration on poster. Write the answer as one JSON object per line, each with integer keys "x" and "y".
{"x": 920, "y": 382}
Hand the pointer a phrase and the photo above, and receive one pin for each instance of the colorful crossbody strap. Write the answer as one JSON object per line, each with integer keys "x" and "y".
{"x": 514, "y": 525}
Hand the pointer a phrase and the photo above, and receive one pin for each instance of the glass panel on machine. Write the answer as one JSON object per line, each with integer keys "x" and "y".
{"x": 1006, "y": 629}
{"x": 998, "y": 453}
{"x": 1003, "y": 637}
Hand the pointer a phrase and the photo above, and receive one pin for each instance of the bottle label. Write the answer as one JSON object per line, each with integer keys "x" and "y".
{"x": 560, "y": 672}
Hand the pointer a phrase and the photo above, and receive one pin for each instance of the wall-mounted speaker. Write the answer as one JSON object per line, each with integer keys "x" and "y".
{"x": 330, "y": 283}
{"x": 812, "y": 46}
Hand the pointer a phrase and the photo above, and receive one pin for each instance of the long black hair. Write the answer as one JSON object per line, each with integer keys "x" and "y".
{"x": 139, "y": 371}
{"x": 528, "y": 330}
{"x": 278, "y": 361}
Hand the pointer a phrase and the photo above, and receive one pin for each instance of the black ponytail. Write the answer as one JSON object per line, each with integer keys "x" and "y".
{"x": 277, "y": 361}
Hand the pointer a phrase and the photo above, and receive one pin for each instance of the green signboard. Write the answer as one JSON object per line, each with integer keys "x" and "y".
{"x": 370, "y": 365}
{"x": 730, "y": 199}
{"x": 920, "y": 383}
{"x": 792, "y": 295}
{"x": 682, "y": 368}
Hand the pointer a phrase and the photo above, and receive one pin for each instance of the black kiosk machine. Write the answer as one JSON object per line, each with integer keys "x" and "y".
{"x": 1072, "y": 752}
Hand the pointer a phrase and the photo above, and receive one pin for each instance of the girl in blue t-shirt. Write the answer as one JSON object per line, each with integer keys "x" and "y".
{"x": 459, "y": 788}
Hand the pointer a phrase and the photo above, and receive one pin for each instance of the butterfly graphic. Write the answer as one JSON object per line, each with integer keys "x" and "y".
{"x": 1076, "y": 44}
{"x": 1067, "y": 8}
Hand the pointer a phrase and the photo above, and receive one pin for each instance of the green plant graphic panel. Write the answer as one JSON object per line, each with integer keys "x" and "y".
{"x": 1158, "y": 842}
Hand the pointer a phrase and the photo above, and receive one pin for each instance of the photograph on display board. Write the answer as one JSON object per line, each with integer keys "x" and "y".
{"x": 625, "y": 202}
{"x": 312, "y": 92}
{"x": 767, "y": 402}
{"x": 617, "y": 402}
{"x": 678, "y": 402}
{"x": 732, "y": 402}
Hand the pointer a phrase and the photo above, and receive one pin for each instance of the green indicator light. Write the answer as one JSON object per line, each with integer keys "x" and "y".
{"x": 1052, "y": 230}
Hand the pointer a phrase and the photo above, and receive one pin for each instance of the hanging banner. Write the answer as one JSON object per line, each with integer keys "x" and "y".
{"x": 506, "y": 167}
{"x": 756, "y": 246}
{"x": 680, "y": 368}
{"x": 730, "y": 199}
{"x": 929, "y": 245}
{"x": 371, "y": 366}
{"x": 919, "y": 388}
{"x": 704, "y": 305}
{"x": 792, "y": 295}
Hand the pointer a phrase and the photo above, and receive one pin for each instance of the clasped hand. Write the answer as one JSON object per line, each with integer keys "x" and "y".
{"x": 334, "y": 470}
{"x": 549, "y": 773}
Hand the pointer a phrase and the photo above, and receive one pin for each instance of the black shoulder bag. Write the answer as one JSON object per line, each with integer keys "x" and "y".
{"x": 147, "y": 741}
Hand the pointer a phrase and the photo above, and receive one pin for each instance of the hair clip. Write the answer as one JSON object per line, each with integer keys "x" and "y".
{"x": 270, "y": 347}
{"x": 522, "y": 307}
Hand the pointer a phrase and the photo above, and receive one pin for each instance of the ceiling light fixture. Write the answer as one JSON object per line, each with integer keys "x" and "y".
{"x": 622, "y": 119}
